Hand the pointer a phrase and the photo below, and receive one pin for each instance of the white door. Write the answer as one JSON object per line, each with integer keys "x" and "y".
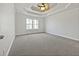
{"x": 0, "y": 40}
{"x": 7, "y": 27}
{"x": 1, "y": 49}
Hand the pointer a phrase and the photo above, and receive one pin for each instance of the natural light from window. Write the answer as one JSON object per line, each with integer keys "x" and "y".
{"x": 32, "y": 24}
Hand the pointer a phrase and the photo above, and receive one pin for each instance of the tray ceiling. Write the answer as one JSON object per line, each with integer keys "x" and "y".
{"x": 26, "y": 8}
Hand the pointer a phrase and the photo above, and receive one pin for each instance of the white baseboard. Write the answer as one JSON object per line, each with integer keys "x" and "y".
{"x": 10, "y": 47}
{"x": 29, "y": 34}
{"x": 65, "y": 36}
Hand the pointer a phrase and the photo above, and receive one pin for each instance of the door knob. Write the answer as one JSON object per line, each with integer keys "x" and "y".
{"x": 1, "y": 37}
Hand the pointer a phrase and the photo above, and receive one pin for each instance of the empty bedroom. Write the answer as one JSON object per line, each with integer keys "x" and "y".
{"x": 39, "y": 29}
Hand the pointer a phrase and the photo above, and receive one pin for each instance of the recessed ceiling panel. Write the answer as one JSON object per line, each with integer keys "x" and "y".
{"x": 32, "y": 8}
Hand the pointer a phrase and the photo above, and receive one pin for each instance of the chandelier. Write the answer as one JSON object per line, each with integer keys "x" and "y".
{"x": 43, "y": 7}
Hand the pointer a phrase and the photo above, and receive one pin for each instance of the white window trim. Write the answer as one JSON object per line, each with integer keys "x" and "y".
{"x": 32, "y": 24}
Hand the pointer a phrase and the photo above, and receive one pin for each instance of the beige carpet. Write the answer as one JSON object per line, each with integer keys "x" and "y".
{"x": 44, "y": 45}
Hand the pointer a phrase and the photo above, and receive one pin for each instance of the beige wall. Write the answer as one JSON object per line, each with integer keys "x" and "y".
{"x": 21, "y": 24}
{"x": 65, "y": 23}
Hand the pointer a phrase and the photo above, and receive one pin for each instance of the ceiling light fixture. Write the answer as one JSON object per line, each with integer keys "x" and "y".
{"x": 43, "y": 6}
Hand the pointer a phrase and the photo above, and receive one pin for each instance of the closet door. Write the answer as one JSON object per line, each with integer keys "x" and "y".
{"x": 7, "y": 27}
{"x": 1, "y": 39}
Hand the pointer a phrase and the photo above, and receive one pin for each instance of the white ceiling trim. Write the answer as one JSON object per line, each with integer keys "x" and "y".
{"x": 25, "y": 13}
{"x": 49, "y": 12}
{"x": 57, "y": 9}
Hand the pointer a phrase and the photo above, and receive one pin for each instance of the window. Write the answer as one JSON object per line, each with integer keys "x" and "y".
{"x": 28, "y": 24}
{"x": 35, "y": 24}
{"x": 32, "y": 24}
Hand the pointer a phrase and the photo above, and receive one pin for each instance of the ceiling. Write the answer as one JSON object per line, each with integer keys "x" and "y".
{"x": 25, "y": 8}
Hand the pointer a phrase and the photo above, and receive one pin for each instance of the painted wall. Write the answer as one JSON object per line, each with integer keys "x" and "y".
{"x": 65, "y": 23}
{"x": 21, "y": 24}
{"x": 7, "y": 27}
